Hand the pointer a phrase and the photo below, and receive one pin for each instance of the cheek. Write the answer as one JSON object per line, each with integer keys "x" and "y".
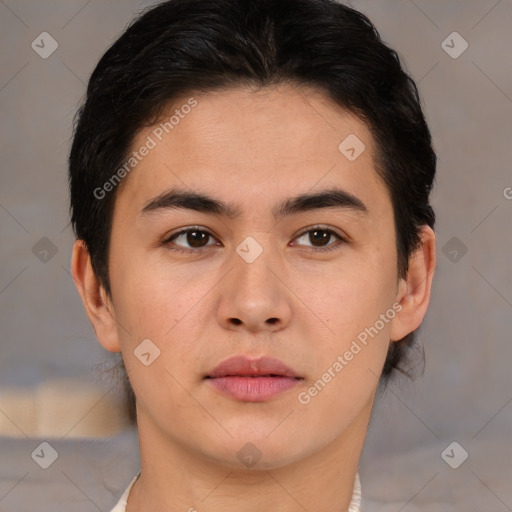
{"x": 151, "y": 305}
{"x": 348, "y": 367}
{"x": 358, "y": 308}
{"x": 361, "y": 291}
{"x": 163, "y": 302}
{"x": 142, "y": 292}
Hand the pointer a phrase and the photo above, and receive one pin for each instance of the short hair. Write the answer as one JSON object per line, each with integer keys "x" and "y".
{"x": 183, "y": 46}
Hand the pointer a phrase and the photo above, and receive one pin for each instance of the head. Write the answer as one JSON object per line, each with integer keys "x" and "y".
{"x": 287, "y": 131}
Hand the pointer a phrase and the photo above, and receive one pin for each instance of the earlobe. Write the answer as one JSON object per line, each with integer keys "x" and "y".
{"x": 96, "y": 303}
{"x": 414, "y": 291}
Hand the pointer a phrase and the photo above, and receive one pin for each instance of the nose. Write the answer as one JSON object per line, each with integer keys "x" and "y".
{"x": 254, "y": 296}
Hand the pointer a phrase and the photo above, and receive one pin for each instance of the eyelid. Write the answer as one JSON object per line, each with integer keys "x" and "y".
{"x": 323, "y": 227}
{"x": 185, "y": 230}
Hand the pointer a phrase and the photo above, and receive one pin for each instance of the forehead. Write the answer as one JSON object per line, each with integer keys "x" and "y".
{"x": 253, "y": 146}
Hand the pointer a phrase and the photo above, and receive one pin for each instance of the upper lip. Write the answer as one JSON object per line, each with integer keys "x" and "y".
{"x": 244, "y": 366}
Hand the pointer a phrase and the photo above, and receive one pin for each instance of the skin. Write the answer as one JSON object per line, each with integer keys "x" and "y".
{"x": 253, "y": 149}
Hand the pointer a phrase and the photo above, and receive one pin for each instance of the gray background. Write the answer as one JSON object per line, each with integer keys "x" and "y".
{"x": 465, "y": 394}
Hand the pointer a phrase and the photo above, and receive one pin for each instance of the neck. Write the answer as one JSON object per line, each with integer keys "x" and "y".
{"x": 176, "y": 478}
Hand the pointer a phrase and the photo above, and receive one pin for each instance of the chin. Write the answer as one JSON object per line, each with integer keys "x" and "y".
{"x": 257, "y": 452}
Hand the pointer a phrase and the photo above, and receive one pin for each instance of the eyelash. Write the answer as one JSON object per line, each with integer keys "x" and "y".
{"x": 325, "y": 249}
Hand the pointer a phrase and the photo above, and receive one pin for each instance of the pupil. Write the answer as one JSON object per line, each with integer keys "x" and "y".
{"x": 194, "y": 237}
{"x": 324, "y": 236}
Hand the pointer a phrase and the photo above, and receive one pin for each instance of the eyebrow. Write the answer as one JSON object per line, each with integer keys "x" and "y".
{"x": 183, "y": 199}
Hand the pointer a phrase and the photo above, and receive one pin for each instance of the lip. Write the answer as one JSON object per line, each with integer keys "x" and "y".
{"x": 252, "y": 380}
{"x": 242, "y": 366}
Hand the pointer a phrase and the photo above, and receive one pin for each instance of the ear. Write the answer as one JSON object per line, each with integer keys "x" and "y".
{"x": 97, "y": 305}
{"x": 414, "y": 291}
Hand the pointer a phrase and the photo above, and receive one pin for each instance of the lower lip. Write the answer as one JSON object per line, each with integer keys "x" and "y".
{"x": 253, "y": 389}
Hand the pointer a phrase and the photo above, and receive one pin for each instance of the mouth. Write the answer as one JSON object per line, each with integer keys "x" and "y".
{"x": 252, "y": 380}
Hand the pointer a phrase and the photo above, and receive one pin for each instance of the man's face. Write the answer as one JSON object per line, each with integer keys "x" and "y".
{"x": 254, "y": 284}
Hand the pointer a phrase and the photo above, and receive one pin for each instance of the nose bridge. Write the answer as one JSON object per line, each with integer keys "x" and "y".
{"x": 254, "y": 296}
{"x": 253, "y": 261}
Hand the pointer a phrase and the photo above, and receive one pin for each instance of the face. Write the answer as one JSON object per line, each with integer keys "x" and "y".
{"x": 256, "y": 269}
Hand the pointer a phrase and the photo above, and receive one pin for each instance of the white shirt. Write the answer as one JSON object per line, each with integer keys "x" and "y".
{"x": 355, "y": 504}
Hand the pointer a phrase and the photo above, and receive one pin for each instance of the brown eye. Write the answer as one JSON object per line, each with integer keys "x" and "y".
{"x": 189, "y": 239}
{"x": 319, "y": 238}
{"x": 196, "y": 238}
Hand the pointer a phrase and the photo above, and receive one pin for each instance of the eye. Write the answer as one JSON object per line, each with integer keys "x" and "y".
{"x": 194, "y": 237}
{"x": 319, "y": 237}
